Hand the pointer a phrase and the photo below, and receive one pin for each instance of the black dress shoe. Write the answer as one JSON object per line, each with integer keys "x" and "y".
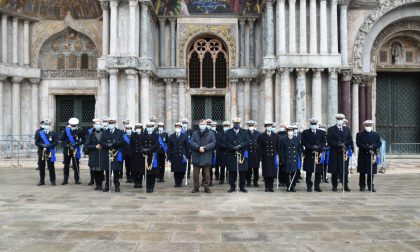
{"x": 347, "y": 189}
{"x": 256, "y": 185}
{"x": 372, "y": 190}
{"x": 53, "y": 184}
{"x": 41, "y": 183}
{"x": 77, "y": 182}
{"x": 211, "y": 184}
{"x": 326, "y": 181}
{"x": 318, "y": 189}
{"x": 91, "y": 182}
{"x": 106, "y": 189}
{"x": 195, "y": 190}
{"x": 362, "y": 189}
{"x": 207, "y": 190}
{"x": 221, "y": 182}
{"x": 64, "y": 183}
{"x": 117, "y": 189}
{"x": 334, "y": 189}
{"x": 267, "y": 190}
{"x": 291, "y": 190}
{"x": 309, "y": 189}
{"x": 231, "y": 190}
{"x": 271, "y": 190}
{"x": 98, "y": 188}
{"x": 248, "y": 184}
{"x": 244, "y": 190}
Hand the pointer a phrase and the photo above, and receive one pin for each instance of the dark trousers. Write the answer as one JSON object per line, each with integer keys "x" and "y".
{"x": 283, "y": 177}
{"x": 334, "y": 179}
{"x": 151, "y": 181}
{"x": 363, "y": 182}
{"x": 292, "y": 179}
{"x": 324, "y": 172}
{"x": 178, "y": 176}
{"x": 309, "y": 182}
{"x": 233, "y": 177}
{"x": 137, "y": 178}
{"x": 92, "y": 176}
{"x": 210, "y": 176}
{"x": 221, "y": 172}
{"x": 99, "y": 177}
{"x": 67, "y": 160}
{"x": 269, "y": 183}
{"x": 252, "y": 171}
{"x": 51, "y": 170}
{"x": 206, "y": 176}
{"x": 217, "y": 172}
{"x": 161, "y": 162}
{"x": 127, "y": 163}
{"x": 116, "y": 179}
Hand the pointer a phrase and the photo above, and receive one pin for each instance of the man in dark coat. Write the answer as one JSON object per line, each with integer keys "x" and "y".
{"x": 188, "y": 132}
{"x": 86, "y": 150}
{"x": 326, "y": 156}
{"x": 136, "y": 150}
{"x": 41, "y": 127}
{"x": 369, "y": 144}
{"x": 128, "y": 131}
{"x": 125, "y": 123}
{"x": 97, "y": 156}
{"x": 313, "y": 140}
{"x": 291, "y": 152}
{"x": 340, "y": 141}
{"x": 283, "y": 176}
{"x": 71, "y": 139}
{"x": 46, "y": 140}
{"x": 268, "y": 145}
{"x": 237, "y": 142}
{"x": 178, "y": 153}
{"x": 254, "y": 156}
{"x": 202, "y": 144}
{"x": 162, "y": 150}
{"x": 112, "y": 142}
{"x": 221, "y": 152}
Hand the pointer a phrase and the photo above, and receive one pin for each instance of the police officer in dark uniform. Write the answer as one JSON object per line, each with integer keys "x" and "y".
{"x": 41, "y": 127}
{"x": 128, "y": 131}
{"x": 213, "y": 128}
{"x": 149, "y": 143}
{"x": 340, "y": 141}
{"x": 46, "y": 140}
{"x": 290, "y": 148}
{"x": 283, "y": 176}
{"x": 325, "y": 159}
{"x": 237, "y": 141}
{"x": 126, "y": 123}
{"x": 86, "y": 151}
{"x": 269, "y": 145}
{"x": 112, "y": 141}
{"x": 369, "y": 144}
{"x": 162, "y": 150}
{"x": 137, "y": 159}
{"x": 254, "y": 156}
{"x": 313, "y": 140}
{"x": 71, "y": 139}
{"x": 178, "y": 153}
{"x": 186, "y": 130}
{"x": 221, "y": 153}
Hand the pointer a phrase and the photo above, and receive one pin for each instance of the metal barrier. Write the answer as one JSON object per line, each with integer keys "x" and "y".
{"x": 408, "y": 149}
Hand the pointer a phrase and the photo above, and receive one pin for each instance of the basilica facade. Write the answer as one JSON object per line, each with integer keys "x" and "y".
{"x": 279, "y": 60}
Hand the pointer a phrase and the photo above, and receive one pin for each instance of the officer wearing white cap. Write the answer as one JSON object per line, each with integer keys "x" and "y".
{"x": 186, "y": 130}
{"x": 128, "y": 131}
{"x": 369, "y": 143}
{"x": 221, "y": 153}
{"x": 269, "y": 146}
{"x": 71, "y": 139}
{"x": 340, "y": 141}
{"x": 46, "y": 140}
{"x": 105, "y": 122}
{"x": 313, "y": 140}
{"x": 162, "y": 150}
{"x": 41, "y": 127}
{"x": 253, "y": 154}
{"x": 136, "y": 155}
{"x": 290, "y": 156}
{"x": 178, "y": 153}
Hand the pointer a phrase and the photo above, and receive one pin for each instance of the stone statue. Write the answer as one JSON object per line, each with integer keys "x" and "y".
{"x": 397, "y": 53}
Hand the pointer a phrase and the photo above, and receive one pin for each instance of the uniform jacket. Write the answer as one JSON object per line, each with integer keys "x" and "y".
{"x": 139, "y": 144}
{"x": 178, "y": 152}
{"x": 364, "y": 141}
{"x": 97, "y": 158}
{"x": 114, "y": 142}
{"x": 309, "y": 140}
{"x": 334, "y": 138}
{"x": 269, "y": 146}
{"x": 65, "y": 141}
{"x": 253, "y": 150}
{"x": 221, "y": 149}
{"x": 291, "y": 153}
{"x": 233, "y": 139}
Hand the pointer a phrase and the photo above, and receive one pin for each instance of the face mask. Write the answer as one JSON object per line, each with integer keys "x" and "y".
{"x": 202, "y": 127}
{"x": 290, "y": 133}
{"x": 177, "y": 130}
{"x": 295, "y": 131}
{"x": 46, "y": 127}
{"x": 340, "y": 122}
{"x": 282, "y": 129}
{"x": 128, "y": 132}
{"x": 42, "y": 126}
{"x": 208, "y": 126}
{"x": 251, "y": 129}
{"x": 225, "y": 129}
{"x": 314, "y": 126}
{"x": 160, "y": 129}
{"x": 273, "y": 130}
{"x": 236, "y": 126}
{"x": 105, "y": 124}
{"x": 368, "y": 128}
{"x": 73, "y": 127}
{"x": 98, "y": 127}
{"x": 149, "y": 130}
{"x": 111, "y": 127}
{"x": 184, "y": 126}
{"x": 138, "y": 131}
{"x": 269, "y": 129}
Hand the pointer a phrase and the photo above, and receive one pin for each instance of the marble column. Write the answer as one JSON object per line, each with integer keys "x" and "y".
{"x": 277, "y": 95}
{"x": 16, "y": 106}
{"x": 242, "y": 42}
{"x": 313, "y": 33}
{"x": 317, "y": 93}
{"x": 247, "y": 99}
{"x": 144, "y": 96}
{"x": 303, "y": 49}
{"x": 104, "y": 95}
{"x": 346, "y": 93}
{"x": 362, "y": 104}
{"x": 162, "y": 56}
{"x": 113, "y": 93}
{"x": 355, "y": 106}
{"x": 268, "y": 95}
{"x": 280, "y": 28}
{"x": 323, "y": 33}
{"x": 334, "y": 31}
{"x": 285, "y": 100}
{"x": 233, "y": 98}
{"x": 168, "y": 103}
{"x": 44, "y": 101}
{"x": 172, "y": 23}
{"x": 292, "y": 26}
{"x": 114, "y": 27}
{"x": 26, "y": 44}
{"x": 251, "y": 30}
{"x": 332, "y": 95}
{"x": 368, "y": 103}
{"x": 144, "y": 29}
{"x": 269, "y": 43}
{"x": 181, "y": 98}
{"x": 34, "y": 102}
{"x": 105, "y": 27}
{"x": 343, "y": 34}
{"x": 132, "y": 27}
{"x": 132, "y": 95}
{"x": 2, "y": 79}
{"x": 301, "y": 97}
{"x": 15, "y": 47}
{"x": 4, "y": 47}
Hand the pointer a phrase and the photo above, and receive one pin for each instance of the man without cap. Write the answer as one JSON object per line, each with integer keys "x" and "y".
{"x": 137, "y": 160}
{"x": 221, "y": 153}
{"x": 186, "y": 130}
{"x": 178, "y": 153}
{"x": 269, "y": 146}
{"x": 71, "y": 139}
{"x": 86, "y": 150}
{"x": 254, "y": 156}
{"x": 162, "y": 150}
{"x": 340, "y": 141}
{"x": 369, "y": 143}
{"x": 283, "y": 178}
{"x": 46, "y": 140}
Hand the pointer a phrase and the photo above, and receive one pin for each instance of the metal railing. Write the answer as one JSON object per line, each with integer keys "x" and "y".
{"x": 409, "y": 149}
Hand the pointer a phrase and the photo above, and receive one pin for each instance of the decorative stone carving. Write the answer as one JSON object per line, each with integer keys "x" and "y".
{"x": 66, "y": 74}
{"x": 131, "y": 73}
{"x": 347, "y": 75}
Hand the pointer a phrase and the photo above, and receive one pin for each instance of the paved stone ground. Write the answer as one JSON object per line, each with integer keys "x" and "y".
{"x": 77, "y": 218}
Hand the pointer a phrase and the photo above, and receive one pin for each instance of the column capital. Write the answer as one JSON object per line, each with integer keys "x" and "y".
{"x": 131, "y": 73}
{"x": 162, "y": 21}
{"x": 104, "y": 5}
{"x": 102, "y": 74}
{"x": 133, "y": 3}
{"x": 302, "y": 70}
{"x": 242, "y": 21}
{"x": 233, "y": 81}
{"x": 3, "y": 77}
{"x": 172, "y": 21}
{"x": 268, "y": 3}
{"x": 268, "y": 72}
{"x": 181, "y": 81}
{"x": 145, "y": 73}
{"x": 347, "y": 75}
{"x": 317, "y": 72}
{"x": 34, "y": 81}
{"x": 357, "y": 79}
{"x": 368, "y": 80}
{"x": 343, "y": 2}
{"x": 15, "y": 19}
{"x": 17, "y": 79}
{"x": 168, "y": 81}
{"x": 113, "y": 72}
{"x": 285, "y": 70}
{"x": 247, "y": 79}
{"x": 333, "y": 71}
{"x": 113, "y": 3}
{"x": 251, "y": 20}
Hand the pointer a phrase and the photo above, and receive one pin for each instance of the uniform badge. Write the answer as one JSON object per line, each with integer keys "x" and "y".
{"x": 50, "y": 139}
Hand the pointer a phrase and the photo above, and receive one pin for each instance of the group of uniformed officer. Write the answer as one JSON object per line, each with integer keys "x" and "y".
{"x": 236, "y": 153}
